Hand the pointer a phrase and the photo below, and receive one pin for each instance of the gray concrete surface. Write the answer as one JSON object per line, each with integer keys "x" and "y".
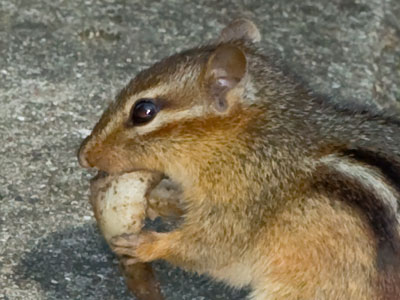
{"x": 62, "y": 61}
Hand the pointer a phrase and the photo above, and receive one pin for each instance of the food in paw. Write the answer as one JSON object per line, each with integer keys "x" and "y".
{"x": 120, "y": 202}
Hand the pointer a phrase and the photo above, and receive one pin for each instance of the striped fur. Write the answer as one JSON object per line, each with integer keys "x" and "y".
{"x": 284, "y": 190}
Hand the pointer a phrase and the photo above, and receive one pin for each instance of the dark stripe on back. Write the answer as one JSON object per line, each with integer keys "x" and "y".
{"x": 390, "y": 168}
{"x": 381, "y": 218}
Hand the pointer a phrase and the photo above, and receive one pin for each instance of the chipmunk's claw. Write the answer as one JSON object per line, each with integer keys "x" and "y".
{"x": 125, "y": 246}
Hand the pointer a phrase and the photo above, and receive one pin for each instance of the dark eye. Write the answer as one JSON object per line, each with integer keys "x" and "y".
{"x": 143, "y": 111}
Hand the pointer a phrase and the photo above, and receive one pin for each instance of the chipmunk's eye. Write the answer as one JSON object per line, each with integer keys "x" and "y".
{"x": 143, "y": 111}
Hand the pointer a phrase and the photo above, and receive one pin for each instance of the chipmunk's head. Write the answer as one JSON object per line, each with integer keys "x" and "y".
{"x": 183, "y": 109}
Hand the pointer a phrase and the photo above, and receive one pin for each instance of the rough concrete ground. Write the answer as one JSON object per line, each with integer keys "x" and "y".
{"x": 62, "y": 61}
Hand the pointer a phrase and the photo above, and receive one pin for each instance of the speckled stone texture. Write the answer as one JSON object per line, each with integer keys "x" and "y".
{"x": 61, "y": 62}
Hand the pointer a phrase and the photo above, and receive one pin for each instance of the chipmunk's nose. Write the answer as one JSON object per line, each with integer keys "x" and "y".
{"x": 93, "y": 155}
{"x": 83, "y": 154}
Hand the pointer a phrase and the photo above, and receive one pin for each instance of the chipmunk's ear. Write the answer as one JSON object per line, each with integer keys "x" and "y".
{"x": 240, "y": 29}
{"x": 225, "y": 69}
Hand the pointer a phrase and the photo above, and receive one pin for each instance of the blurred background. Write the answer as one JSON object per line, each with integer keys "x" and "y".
{"x": 62, "y": 62}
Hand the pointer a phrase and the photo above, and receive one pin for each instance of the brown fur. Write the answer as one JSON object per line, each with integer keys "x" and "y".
{"x": 382, "y": 222}
{"x": 261, "y": 206}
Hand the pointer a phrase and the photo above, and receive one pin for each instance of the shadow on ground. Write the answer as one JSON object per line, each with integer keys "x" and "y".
{"x": 76, "y": 263}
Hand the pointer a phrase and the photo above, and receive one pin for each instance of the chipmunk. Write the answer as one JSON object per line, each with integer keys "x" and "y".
{"x": 283, "y": 191}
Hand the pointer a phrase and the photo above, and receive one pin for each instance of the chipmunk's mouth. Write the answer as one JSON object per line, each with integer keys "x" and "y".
{"x": 163, "y": 193}
{"x": 99, "y": 175}
{"x": 156, "y": 177}
{"x": 102, "y": 174}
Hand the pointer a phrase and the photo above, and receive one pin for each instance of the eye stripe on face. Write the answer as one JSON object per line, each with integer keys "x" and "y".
{"x": 166, "y": 112}
{"x": 168, "y": 116}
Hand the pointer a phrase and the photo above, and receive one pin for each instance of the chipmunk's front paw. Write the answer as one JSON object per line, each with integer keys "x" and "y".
{"x": 127, "y": 246}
